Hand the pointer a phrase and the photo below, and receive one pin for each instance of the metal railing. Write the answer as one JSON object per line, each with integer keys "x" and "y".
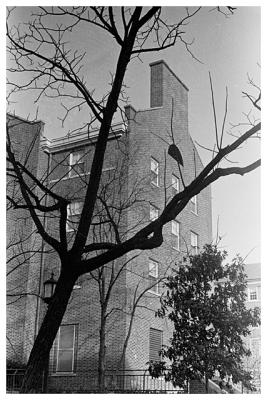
{"x": 14, "y": 379}
{"x": 127, "y": 381}
{"x": 137, "y": 381}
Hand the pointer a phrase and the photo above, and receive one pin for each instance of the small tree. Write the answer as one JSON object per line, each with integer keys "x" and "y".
{"x": 107, "y": 280}
{"x": 205, "y": 300}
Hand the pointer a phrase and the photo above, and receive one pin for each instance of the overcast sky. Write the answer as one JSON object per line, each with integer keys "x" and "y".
{"x": 229, "y": 48}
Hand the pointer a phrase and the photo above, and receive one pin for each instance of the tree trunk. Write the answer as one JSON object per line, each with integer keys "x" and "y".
{"x": 102, "y": 351}
{"x": 40, "y": 352}
{"x": 207, "y": 383}
{"x": 125, "y": 344}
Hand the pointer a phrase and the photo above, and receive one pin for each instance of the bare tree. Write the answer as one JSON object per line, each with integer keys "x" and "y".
{"x": 40, "y": 52}
{"x": 107, "y": 279}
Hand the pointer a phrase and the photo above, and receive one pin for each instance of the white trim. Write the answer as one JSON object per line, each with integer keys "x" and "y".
{"x": 252, "y": 282}
{"x": 66, "y": 177}
{"x": 253, "y": 352}
{"x": 195, "y": 204}
{"x": 156, "y": 172}
{"x": 72, "y": 172}
{"x": 194, "y": 235}
{"x": 149, "y": 109}
{"x": 79, "y": 139}
{"x": 151, "y": 209}
{"x": 73, "y": 350}
{"x": 63, "y": 374}
{"x": 57, "y": 344}
{"x": 253, "y": 289}
{"x": 176, "y": 235}
{"x": 156, "y": 276}
{"x": 154, "y": 293}
{"x": 177, "y": 181}
{"x": 71, "y": 214}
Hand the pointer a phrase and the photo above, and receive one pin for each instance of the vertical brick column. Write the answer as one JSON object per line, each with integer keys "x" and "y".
{"x": 156, "y": 84}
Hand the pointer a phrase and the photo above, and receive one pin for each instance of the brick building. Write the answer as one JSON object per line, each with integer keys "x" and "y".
{"x": 140, "y": 176}
{"x": 25, "y": 137}
{"x": 253, "y": 363}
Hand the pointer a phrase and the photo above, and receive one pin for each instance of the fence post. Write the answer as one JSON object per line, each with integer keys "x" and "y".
{"x": 144, "y": 381}
{"x": 13, "y": 382}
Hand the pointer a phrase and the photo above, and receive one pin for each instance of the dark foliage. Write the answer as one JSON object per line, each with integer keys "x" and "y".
{"x": 205, "y": 300}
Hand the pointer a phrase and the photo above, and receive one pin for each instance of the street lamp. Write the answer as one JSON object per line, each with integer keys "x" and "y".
{"x": 49, "y": 288}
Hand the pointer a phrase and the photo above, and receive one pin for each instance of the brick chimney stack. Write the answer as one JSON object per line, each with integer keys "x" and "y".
{"x": 164, "y": 84}
{"x": 156, "y": 84}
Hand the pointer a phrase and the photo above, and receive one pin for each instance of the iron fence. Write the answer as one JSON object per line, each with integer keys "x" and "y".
{"x": 127, "y": 381}
{"x": 14, "y": 379}
{"x": 137, "y": 381}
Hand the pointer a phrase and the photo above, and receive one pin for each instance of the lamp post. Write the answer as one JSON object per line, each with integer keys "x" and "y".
{"x": 49, "y": 288}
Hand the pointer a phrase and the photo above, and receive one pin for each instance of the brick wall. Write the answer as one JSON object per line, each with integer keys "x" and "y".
{"x": 127, "y": 166}
{"x": 25, "y": 139}
{"x": 84, "y": 306}
{"x": 196, "y": 387}
{"x": 150, "y": 132}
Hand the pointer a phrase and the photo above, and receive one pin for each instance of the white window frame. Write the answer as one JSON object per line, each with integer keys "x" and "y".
{"x": 252, "y": 290}
{"x": 175, "y": 185}
{"x": 176, "y": 234}
{"x": 258, "y": 341}
{"x": 194, "y": 204}
{"x": 73, "y": 162}
{"x": 194, "y": 244}
{"x": 72, "y": 213}
{"x": 153, "y": 266}
{"x": 153, "y": 212}
{"x": 71, "y": 348}
{"x": 154, "y": 169}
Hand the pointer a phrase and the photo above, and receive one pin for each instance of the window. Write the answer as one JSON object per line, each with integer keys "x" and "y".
{"x": 193, "y": 203}
{"x": 153, "y": 274}
{"x": 252, "y": 294}
{"x": 74, "y": 210}
{"x": 155, "y": 344}
{"x": 176, "y": 235}
{"x": 175, "y": 185}
{"x": 194, "y": 243}
{"x": 255, "y": 345}
{"x": 154, "y": 213}
{"x": 154, "y": 174}
{"x": 65, "y": 349}
{"x": 76, "y": 163}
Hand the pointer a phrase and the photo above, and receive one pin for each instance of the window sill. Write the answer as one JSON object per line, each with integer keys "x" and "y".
{"x": 63, "y": 374}
{"x": 175, "y": 248}
{"x": 155, "y": 293}
{"x": 66, "y": 177}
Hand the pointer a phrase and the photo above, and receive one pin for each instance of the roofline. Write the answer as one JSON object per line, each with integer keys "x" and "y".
{"x": 79, "y": 139}
{"x": 24, "y": 119}
{"x": 166, "y": 65}
{"x": 255, "y": 263}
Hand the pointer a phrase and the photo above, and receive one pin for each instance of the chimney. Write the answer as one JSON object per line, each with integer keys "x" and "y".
{"x": 156, "y": 84}
{"x": 165, "y": 85}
